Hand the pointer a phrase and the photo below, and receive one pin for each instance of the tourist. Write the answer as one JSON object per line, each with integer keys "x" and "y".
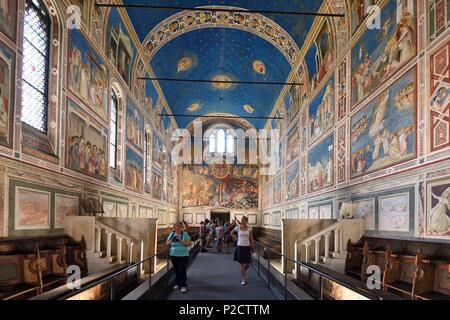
{"x": 226, "y": 235}
{"x": 203, "y": 232}
{"x": 233, "y": 225}
{"x": 179, "y": 242}
{"x": 219, "y": 237}
{"x": 245, "y": 247}
{"x": 209, "y": 237}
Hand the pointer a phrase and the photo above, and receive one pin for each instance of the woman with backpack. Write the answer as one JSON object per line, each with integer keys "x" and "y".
{"x": 179, "y": 242}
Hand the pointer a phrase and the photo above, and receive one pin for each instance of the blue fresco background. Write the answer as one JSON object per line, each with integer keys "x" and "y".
{"x": 394, "y": 118}
{"x": 221, "y": 51}
{"x": 298, "y": 26}
{"x": 321, "y": 152}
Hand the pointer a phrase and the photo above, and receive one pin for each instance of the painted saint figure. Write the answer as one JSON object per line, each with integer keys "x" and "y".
{"x": 440, "y": 221}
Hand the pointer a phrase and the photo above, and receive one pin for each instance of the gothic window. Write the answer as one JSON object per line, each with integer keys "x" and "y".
{"x": 35, "y": 75}
{"x": 113, "y": 131}
{"x": 221, "y": 141}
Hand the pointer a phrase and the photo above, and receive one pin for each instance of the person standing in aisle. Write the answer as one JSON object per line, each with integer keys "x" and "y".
{"x": 179, "y": 242}
{"x": 203, "y": 234}
{"x": 245, "y": 247}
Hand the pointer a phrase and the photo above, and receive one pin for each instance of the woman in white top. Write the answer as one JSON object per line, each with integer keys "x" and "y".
{"x": 245, "y": 247}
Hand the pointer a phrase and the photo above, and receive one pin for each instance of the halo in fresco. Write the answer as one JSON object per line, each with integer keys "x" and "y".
{"x": 249, "y": 109}
{"x": 259, "y": 67}
{"x": 222, "y": 82}
{"x": 194, "y": 107}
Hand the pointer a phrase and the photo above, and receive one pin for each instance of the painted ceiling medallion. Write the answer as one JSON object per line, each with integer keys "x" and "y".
{"x": 184, "y": 64}
{"x": 249, "y": 109}
{"x": 222, "y": 82}
{"x": 259, "y": 67}
{"x": 194, "y": 107}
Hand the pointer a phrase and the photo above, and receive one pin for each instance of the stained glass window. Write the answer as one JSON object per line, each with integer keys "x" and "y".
{"x": 36, "y": 52}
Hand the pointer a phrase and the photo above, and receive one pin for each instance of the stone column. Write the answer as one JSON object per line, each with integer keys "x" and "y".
{"x": 108, "y": 244}
{"x": 317, "y": 250}
{"x": 119, "y": 249}
{"x": 307, "y": 251}
{"x": 130, "y": 250}
{"x": 98, "y": 239}
{"x": 327, "y": 247}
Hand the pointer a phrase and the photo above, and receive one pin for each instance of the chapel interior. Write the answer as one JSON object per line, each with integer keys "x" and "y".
{"x": 325, "y": 123}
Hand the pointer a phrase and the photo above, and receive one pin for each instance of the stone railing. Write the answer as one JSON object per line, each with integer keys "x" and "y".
{"x": 329, "y": 242}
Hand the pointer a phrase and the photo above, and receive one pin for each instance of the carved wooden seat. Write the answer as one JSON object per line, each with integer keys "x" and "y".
{"x": 410, "y": 268}
{"x": 432, "y": 279}
{"x": 399, "y": 273}
{"x": 25, "y": 273}
{"x": 373, "y": 257}
{"x": 354, "y": 260}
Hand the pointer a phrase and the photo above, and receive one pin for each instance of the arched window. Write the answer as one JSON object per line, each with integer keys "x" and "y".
{"x": 221, "y": 141}
{"x": 212, "y": 143}
{"x": 35, "y": 73}
{"x": 113, "y": 129}
{"x": 230, "y": 143}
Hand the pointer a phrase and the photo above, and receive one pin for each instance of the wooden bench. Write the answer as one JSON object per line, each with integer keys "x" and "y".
{"x": 412, "y": 275}
{"x": 354, "y": 260}
{"x": 26, "y": 272}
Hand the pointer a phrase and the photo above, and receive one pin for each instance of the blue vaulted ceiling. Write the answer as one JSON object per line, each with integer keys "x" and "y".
{"x": 297, "y": 26}
{"x": 226, "y": 52}
{"x": 215, "y": 52}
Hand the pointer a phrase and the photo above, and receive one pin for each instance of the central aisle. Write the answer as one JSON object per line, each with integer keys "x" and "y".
{"x": 215, "y": 276}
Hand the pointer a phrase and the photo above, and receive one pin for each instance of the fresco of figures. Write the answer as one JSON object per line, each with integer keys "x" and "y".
{"x": 98, "y": 16}
{"x": 228, "y": 187}
{"x": 440, "y": 10}
{"x": 360, "y": 10}
{"x": 86, "y": 146}
{"x": 171, "y": 195}
{"x": 157, "y": 184}
{"x": 87, "y": 77}
{"x": 84, "y": 8}
{"x": 384, "y": 132}
{"x": 157, "y": 154}
{"x": 438, "y": 209}
{"x": 119, "y": 47}
{"x": 321, "y": 112}
{"x": 134, "y": 170}
{"x": 8, "y": 18}
{"x": 6, "y": 92}
{"x": 293, "y": 145}
{"x": 139, "y": 85}
{"x": 267, "y": 194}
{"x": 169, "y": 167}
{"x": 292, "y": 181}
{"x": 321, "y": 165}
{"x": 394, "y": 213}
{"x": 320, "y": 56}
{"x": 151, "y": 96}
{"x": 292, "y": 102}
{"x": 381, "y": 52}
{"x": 440, "y": 98}
{"x": 276, "y": 189}
{"x": 135, "y": 125}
